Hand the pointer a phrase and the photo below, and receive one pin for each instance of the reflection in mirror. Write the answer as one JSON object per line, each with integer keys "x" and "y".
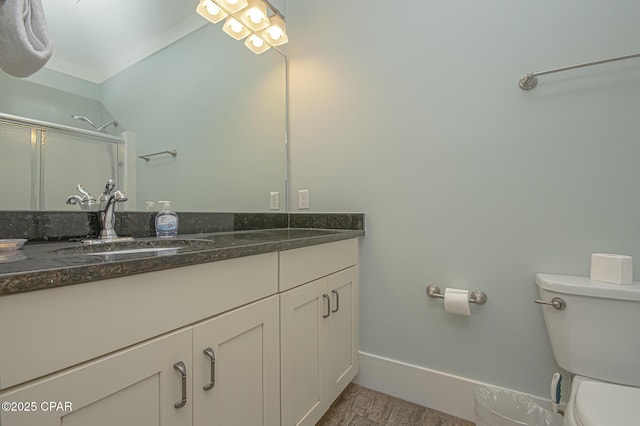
{"x": 15, "y": 166}
{"x": 95, "y": 160}
{"x": 41, "y": 160}
{"x": 222, "y": 107}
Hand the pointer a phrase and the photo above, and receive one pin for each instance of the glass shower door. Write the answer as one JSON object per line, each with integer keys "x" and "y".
{"x": 71, "y": 160}
{"x": 17, "y": 167}
{"x": 41, "y": 164}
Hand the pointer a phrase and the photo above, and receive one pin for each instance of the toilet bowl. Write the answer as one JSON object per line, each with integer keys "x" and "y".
{"x": 594, "y": 403}
{"x": 593, "y": 335}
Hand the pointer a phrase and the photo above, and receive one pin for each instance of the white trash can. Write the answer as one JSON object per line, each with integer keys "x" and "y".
{"x": 501, "y": 407}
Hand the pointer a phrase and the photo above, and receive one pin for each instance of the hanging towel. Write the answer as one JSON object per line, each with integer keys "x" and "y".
{"x": 25, "y": 46}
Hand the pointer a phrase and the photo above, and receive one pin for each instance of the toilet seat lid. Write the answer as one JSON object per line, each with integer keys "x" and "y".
{"x": 598, "y": 404}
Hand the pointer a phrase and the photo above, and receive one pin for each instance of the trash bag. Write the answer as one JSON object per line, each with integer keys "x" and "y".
{"x": 502, "y": 407}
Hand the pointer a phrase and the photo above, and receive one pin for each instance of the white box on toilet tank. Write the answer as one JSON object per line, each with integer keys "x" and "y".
{"x": 612, "y": 268}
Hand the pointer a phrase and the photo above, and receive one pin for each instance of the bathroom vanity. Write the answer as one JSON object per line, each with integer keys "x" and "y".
{"x": 253, "y": 334}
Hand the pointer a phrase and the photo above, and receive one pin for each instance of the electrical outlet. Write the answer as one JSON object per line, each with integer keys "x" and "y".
{"x": 303, "y": 199}
{"x": 274, "y": 201}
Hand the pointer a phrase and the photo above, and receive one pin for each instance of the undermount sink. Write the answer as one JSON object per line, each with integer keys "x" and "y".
{"x": 132, "y": 251}
{"x": 155, "y": 246}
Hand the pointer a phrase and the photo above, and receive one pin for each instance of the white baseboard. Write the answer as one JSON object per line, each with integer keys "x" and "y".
{"x": 430, "y": 388}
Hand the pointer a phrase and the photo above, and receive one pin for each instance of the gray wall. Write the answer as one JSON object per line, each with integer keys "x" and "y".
{"x": 414, "y": 116}
{"x": 53, "y": 97}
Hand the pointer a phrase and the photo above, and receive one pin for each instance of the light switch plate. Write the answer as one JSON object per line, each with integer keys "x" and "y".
{"x": 274, "y": 201}
{"x": 303, "y": 199}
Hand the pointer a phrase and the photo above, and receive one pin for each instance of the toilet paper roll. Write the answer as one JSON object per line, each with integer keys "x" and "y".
{"x": 456, "y": 301}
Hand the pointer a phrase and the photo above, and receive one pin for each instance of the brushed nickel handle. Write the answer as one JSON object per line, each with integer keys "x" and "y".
{"x": 328, "y": 299}
{"x": 212, "y": 357}
{"x": 337, "y": 301}
{"x": 182, "y": 369}
{"x": 556, "y": 302}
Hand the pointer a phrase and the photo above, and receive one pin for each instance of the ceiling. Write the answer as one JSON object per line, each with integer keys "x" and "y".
{"x": 96, "y": 39}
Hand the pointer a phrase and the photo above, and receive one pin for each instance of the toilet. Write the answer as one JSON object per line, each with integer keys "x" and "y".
{"x": 594, "y": 331}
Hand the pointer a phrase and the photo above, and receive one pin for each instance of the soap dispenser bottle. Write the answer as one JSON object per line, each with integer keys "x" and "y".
{"x": 166, "y": 221}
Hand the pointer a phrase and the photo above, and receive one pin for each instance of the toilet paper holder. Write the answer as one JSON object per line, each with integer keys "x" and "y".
{"x": 478, "y": 297}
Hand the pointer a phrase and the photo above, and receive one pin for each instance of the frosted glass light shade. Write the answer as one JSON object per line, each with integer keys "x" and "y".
{"x": 256, "y": 44}
{"x": 211, "y": 11}
{"x": 276, "y": 32}
{"x": 232, "y": 6}
{"x": 254, "y": 16}
{"x": 235, "y": 29}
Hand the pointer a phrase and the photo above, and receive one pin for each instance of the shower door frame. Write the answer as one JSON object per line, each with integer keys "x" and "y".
{"x": 38, "y": 142}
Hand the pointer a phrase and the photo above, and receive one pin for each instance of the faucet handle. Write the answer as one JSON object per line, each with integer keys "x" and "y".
{"x": 108, "y": 188}
{"x": 86, "y": 197}
{"x": 73, "y": 199}
{"x": 119, "y": 196}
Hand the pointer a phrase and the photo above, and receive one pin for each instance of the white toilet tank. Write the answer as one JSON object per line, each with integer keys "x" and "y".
{"x": 597, "y": 334}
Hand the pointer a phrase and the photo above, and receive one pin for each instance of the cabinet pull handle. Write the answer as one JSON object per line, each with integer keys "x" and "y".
{"x": 337, "y": 301}
{"x": 212, "y": 357}
{"x": 328, "y": 299}
{"x": 182, "y": 369}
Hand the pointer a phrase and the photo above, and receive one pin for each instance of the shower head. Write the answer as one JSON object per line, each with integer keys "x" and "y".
{"x": 104, "y": 126}
{"x": 98, "y": 129}
{"x": 85, "y": 119}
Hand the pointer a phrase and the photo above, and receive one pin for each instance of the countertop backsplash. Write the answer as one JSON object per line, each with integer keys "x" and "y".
{"x": 44, "y": 226}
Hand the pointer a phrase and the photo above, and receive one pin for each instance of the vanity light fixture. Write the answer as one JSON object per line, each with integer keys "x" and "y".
{"x": 247, "y": 19}
{"x": 276, "y": 32}
{"x": 254, "y": 16}
{"x": 235, "y": 29}
{"x": 232, "y": 6}
{"x": 256, "y": 44}
{"x": 211, "y": 11}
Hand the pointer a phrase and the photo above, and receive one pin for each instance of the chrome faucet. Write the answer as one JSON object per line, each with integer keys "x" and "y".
{"x": 107, "y": 202}
{"x": 86, "y": 201}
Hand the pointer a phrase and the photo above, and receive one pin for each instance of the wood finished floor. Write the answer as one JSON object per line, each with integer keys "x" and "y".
{"x": 365, "y": 407}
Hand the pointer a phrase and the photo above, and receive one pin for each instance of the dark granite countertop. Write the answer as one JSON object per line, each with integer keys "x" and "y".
{"x": 56, "y": 264}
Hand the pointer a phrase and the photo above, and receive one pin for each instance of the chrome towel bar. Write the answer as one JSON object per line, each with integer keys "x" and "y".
{"x": 171, "y": 152}
{"x": 478, "y": 297}
{"x": 530, "y": 80}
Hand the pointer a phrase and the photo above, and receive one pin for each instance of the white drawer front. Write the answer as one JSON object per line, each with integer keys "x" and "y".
{"x": 299, "y": 266}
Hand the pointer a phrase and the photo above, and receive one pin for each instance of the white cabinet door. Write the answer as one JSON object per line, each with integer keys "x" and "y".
{"x": 138, "y": 386}
{"x": 236, "y": 367}
{"x": 303, "y": 334}
{"x": 319, "y": 345}
{"x": 343, "y": 339}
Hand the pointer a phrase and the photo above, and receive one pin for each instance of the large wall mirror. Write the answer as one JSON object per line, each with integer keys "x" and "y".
{"x": 172, "y": 81}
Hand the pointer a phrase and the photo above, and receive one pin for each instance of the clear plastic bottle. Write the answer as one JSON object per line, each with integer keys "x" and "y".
{"x": 166, "y": 221}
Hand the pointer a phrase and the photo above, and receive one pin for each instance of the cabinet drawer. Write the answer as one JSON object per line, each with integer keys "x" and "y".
{"x": 303, "y": 265}
{"x": 49, "y": 330}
